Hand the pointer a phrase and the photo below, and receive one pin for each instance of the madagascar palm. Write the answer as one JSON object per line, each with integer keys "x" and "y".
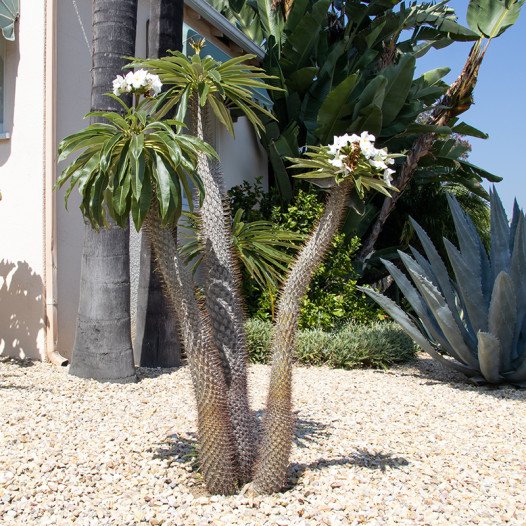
{"x": 207, "y": 86}
{"x": 135, "y": 164}
{"x": 157, "y": 340}
{"x": 103, "y": 348}
{"x": 261, "y": 248}
{"x": 340, "y": 168}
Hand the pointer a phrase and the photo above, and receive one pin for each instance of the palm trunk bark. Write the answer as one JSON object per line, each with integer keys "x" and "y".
{"x": 223, "y": 297}
{"x": 273, "y": 457}
{"x": 216, "y": 442}
{"x": 103, "y": 348}
{"x": 156, "y": 342}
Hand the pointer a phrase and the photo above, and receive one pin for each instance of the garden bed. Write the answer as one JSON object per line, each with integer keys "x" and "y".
{"x": 412, "y": 445}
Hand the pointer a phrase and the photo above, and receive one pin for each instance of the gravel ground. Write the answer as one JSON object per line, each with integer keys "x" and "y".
{"x": 414, "y": 445}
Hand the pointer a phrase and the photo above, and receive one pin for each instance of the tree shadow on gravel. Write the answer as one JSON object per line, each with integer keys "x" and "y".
{"x": 360, "y": 458}
{"x": 434, "y": 374}
{"x": 155, "y": 372}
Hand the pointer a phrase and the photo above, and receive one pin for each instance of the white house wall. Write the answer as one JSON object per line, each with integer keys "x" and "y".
{"x": 21, "y": 184}
{"x": 22, "y": 331}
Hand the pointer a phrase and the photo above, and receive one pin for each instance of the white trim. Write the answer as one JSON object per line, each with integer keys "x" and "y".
{"x": 217, "y": 20}
{"x": 5, "y": 136}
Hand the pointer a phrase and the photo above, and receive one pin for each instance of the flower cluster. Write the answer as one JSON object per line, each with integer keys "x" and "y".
{"x": 349, "y": 150}
{"x": 139, "y": 81}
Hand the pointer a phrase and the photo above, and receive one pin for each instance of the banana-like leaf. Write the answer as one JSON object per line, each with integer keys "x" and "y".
{"x": 489, "y": 350}
{"x": 399, "y": 80}
{"x": 490, "y": 18}
{"x": 502, "y": 317}
{"x": 470, "y": 289}
{"x": 466, "y": 129}
{"x": 9, "y": 11}
{"x": 331, "y": 117}
{"x": 500, "y": 236}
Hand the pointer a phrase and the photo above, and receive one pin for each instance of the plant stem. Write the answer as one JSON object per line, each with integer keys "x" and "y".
{"x": 273, "y": 456}
{"x": 216, "y": 442}
{"x": 222, "y": 292}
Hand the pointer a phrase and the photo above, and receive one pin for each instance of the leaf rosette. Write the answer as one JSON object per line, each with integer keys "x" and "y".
{"x": 129, "y": 160}
{"x": 349, "y": 156}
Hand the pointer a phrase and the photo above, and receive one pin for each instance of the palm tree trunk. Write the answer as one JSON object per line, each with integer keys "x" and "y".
{"x": 223, "y": 297}
{"x": 156, "y": 343}
{"x": 216, "y": 442}
{"x": 103, "y": 348}
{"x": 274, "y": 452}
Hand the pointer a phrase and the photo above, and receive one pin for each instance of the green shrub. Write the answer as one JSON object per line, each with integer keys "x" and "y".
{"x": 332, "y": 298}
{"x": 377, "y": 345}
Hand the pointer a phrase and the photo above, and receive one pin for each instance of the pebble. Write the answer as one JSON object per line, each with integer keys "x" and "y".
{"x": 415, "y": 445}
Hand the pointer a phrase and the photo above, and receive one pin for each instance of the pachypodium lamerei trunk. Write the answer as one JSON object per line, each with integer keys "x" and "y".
{"x": 217, "y": 451}
{"x": 270, "y": 471}
{"x": 223, "y": 299}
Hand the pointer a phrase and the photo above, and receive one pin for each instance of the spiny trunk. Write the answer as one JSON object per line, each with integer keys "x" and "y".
{"x": 223, "y": 299}
{"x": 216, "y": 443}
{"x": 103, "y": 348}
{"x": 156, "y": 343}
{"x": 457, "y": 100}
{"x": 274, "y": 452}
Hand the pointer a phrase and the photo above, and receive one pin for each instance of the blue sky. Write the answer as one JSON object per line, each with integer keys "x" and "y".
{"x": 500, "y": 103}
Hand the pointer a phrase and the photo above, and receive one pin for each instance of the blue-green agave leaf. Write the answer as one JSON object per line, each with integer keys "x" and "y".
{"x": 500, "y": 236}
{"x": 489, "y": 357}
{"x": 412, "y": 331}
{"x": 445, "y": 319}
{"x": 470, "y": 289}
{"x": 503, "y": 317}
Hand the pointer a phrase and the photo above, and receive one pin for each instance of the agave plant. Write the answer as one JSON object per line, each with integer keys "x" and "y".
{"x": 475, "y": 323}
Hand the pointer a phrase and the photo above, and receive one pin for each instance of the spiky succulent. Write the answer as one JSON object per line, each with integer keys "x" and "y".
{"x": 475, "y": 323}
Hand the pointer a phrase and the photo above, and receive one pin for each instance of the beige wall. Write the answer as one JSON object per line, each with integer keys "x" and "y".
{"x": 21, "y": 184}
{"x": 21, "y": 175}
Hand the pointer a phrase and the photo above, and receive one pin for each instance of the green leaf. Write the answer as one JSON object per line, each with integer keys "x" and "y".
{"x": 335, "y": 107}
{"x": 490, "y": 18}
{"x": 466, "y": 129}
{"x": 399, "y": 80}
{"x": 372, "y": 95}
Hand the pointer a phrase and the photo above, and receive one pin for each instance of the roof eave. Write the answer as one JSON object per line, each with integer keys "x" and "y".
{"x": 217, "y": 20}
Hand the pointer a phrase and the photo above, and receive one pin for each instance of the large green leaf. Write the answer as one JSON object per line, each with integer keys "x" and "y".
{"x": 490, "y": 18}
{"x": 399, "y": 79}
{"x": 335, "y": 109}
{"x": 9, "y": 10}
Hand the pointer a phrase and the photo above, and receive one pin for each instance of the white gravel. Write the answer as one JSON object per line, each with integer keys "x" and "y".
{"x": 411, "y": 446}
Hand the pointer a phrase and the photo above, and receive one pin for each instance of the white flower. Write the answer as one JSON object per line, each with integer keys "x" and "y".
{"x": 154, "y": 83}
{"x": 119, "y": 85}
{"x": 139, "y": 79}
{"x": 388, "y": 173}
{"x": 337, "y": 162}
{"x": 377, "y": 163}
{"x": 366, "y": 136}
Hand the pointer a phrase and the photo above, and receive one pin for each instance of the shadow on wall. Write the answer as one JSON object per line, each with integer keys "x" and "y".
{"x": 21, "y": 310}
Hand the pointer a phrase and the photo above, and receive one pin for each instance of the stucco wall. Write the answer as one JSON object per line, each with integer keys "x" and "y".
{"x": 21, "y": 184}
{"x": 22, "y": 180}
